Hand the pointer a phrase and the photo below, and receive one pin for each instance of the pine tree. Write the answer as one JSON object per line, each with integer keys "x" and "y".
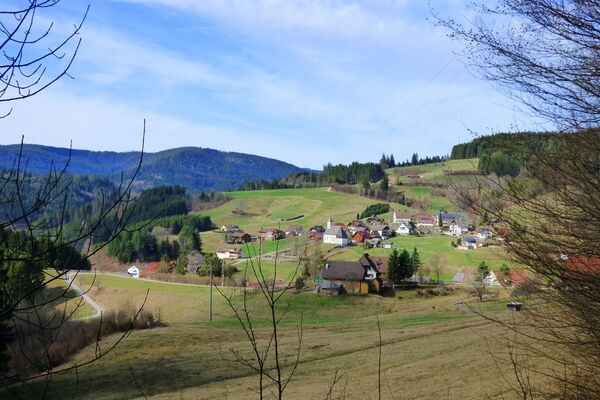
{"x": 394, "y": 266}
{"x": 415, "y": 159}
{"x": 405, "y": 262}
{"x": 385, "y": 184}
{"x": 181, "y": 265}
{"x": 415, "y": 261}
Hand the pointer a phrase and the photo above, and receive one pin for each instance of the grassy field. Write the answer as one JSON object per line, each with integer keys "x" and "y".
{"x": 421, "y": 183}
{"x": 432, "y": 173}
{"x": 429, "y": 245}
{"x": 265, "y": 208}
{"x": 432, "y": 347}
{"x": 67, "y": 303}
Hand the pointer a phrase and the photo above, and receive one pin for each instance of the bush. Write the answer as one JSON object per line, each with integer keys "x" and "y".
{"x": 51, "y": 347}
{"x": 125, "y": 318}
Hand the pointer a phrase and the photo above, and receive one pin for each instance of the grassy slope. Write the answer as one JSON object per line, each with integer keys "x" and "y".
{"x": 433, "y": 173}
{"x": 264, "y": 209}
{"x": 430, "y": 346}
{"x": 430, "y": 174}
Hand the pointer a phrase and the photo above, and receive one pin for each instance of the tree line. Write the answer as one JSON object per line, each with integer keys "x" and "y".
{"x": 389, "y": 162}
{"x": 141, "y": 244}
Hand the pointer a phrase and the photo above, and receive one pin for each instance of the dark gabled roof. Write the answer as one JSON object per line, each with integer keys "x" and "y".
{"x": 239, "y": 234}
{"x": 337, "y": 231}
{"x": 469, "y": 239}
{"x": 344, "y": 270}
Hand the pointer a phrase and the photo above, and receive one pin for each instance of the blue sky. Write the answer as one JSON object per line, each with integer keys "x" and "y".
{"x": 305, "y": 81}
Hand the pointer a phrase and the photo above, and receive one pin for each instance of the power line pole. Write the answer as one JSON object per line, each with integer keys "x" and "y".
{"x": 210, "y": 274}
{"x": 222, "y": 272}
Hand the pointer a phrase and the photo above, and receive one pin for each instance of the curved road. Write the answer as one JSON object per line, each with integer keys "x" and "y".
{"x": 99, "y": 310}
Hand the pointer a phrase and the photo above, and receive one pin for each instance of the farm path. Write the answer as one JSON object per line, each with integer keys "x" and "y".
{"x": 86, "y": 297}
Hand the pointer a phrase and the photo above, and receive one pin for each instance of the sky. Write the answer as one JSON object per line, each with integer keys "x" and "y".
{"x": 304, "y": 81}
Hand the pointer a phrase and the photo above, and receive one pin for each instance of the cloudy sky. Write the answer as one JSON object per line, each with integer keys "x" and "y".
{"x": 305, "y": 81}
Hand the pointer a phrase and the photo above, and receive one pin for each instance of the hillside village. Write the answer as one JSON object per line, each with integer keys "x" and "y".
{"x": 198, "y": 200}
{"x": 367, "y": 273}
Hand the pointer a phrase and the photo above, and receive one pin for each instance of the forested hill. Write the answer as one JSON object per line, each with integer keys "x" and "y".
{"x": 503, "y": 153}
{"x": 196, "y": 169}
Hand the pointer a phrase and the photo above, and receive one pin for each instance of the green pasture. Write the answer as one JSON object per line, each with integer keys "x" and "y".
{"x": 453, "y": 258}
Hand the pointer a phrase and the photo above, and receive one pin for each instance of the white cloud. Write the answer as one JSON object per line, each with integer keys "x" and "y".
{"x": 340, "y": 18}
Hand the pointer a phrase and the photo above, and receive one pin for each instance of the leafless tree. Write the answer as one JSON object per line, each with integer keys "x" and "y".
{"x": 30, "y": 324}
{"x": 545, "y": 53}
{"x": 436, "y": 261}
{"x": 32, "y": 59}
{"x": 266, "y": 359}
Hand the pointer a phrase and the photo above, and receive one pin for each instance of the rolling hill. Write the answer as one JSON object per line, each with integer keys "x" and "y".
{"x": 194, "y": 168}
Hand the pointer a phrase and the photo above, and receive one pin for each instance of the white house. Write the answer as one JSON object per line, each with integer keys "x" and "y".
{"x": 457, "y": 229}
{"x": 133, "y": 271}
{"x": 335, "y": 235}
{"x": 469, "y": 243}
{"x": 382, "y": 229}
{"x": 428, "y": 221}
{"x": 229, "y": 254}
{"x": 404, "y": 228}
{"x": 491, "y": 280}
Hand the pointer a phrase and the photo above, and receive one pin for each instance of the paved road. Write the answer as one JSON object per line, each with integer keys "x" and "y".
{"x": 75, "y": 287}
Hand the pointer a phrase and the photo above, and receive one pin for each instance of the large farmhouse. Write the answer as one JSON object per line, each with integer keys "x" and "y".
{"x": 360, "y": 276}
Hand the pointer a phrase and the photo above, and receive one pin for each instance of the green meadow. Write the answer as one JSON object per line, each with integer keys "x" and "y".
{"x": 434, "y": 338}
{"x": 453, "y": 259}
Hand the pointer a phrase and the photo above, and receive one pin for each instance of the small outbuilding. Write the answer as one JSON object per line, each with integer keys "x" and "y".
{"x": 514, "y": 306}
{"x": 133, "y": 271}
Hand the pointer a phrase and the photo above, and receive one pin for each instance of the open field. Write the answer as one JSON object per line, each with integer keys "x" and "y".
{"x": 264, "y": 208}
{"x": 429, "y": 347}
{"x": 454, "y": 259}
{"x": 432, "y": 173}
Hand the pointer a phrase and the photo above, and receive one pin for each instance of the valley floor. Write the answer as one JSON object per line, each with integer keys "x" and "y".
{"x": 432, "y": 348}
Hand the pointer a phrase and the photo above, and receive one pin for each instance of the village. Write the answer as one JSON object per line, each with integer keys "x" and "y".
{"x": 367, "y": 273}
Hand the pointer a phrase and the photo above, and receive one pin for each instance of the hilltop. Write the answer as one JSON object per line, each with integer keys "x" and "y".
{"x": 195, "y": 168}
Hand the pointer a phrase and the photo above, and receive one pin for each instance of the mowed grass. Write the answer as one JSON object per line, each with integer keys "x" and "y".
{"x": 436, "y": 202}
{"x": 265, "y": 208}
{"x": 432, "y": 348}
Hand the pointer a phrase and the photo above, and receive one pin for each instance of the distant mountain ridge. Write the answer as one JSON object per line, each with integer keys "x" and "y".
{"x": 195, "y": 168}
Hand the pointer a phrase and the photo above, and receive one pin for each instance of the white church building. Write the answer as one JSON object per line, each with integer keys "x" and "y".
{"x": 335, "y": 234}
